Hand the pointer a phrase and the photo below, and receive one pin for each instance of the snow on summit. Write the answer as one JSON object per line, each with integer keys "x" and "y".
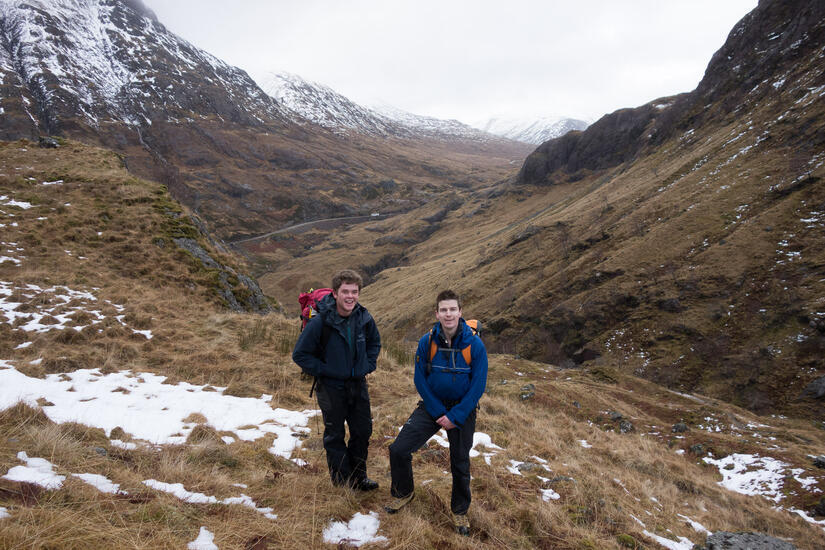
{"x": 105, "y": 60}
{"x": 320, "y": 104}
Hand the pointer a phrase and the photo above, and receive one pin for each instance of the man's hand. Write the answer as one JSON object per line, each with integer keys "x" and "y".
{"x": 445, "y": 423}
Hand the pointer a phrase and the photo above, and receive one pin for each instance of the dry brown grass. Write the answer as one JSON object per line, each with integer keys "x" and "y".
{"x": 195, "y": 341}
{"x": 695, "y": 220}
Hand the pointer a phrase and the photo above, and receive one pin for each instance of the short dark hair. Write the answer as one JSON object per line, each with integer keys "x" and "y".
{"x": 346, "y": 276}
{"x": 447, "y": 295}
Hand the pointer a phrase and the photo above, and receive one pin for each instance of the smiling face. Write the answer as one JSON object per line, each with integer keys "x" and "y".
{"x": 346, "y": 298}
{"x": 448, "y": 313}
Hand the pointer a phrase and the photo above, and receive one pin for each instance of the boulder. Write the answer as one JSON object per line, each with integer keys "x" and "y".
{"x": 527, "y": 392}
{"x": 724, "y": 540}
{"x": 529, "y": 467}
{"x": 815, "y": 389}
{"x": 819, "y": 509}
{"x": 697, "y": 449}
{"x": 48, "y": 143}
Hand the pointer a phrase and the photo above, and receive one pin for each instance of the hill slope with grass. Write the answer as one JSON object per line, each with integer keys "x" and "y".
{"x": 108, "y": 72}
{"x": 138, "y": 411}
{"x": 681, "y": 241}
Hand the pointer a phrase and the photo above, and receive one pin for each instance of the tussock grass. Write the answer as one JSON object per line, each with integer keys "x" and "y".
{"x": 195, "y": 341}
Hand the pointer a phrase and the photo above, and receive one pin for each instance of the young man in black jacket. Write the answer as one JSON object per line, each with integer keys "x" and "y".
{"x": 339, "y": 347}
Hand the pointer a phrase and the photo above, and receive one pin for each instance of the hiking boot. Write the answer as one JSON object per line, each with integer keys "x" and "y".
{"x": 364, "y": 484}
{"x": 399, "y": 503}
{"x": 462, "y": 524}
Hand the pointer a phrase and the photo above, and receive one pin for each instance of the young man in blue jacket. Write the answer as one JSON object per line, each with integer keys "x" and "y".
{"x": 339, "y": 347}
{"x": 450, "y": 383}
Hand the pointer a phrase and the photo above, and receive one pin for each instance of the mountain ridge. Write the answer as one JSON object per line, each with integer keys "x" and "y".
{"x": 534, "y": 130}
{"x": 106, "y": 71}
{"x": 324, "y": 106}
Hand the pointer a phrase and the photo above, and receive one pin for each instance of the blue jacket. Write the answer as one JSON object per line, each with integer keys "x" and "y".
{"x": 337, "y": 361}
{"x": 451, "y": 388}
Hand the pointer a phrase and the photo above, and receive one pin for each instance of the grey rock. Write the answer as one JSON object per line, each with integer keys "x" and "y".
{"x": 48, "y": 143}
{"x": 192, "y": 246}
{"x": 697, "y": 449}
{"x": 815, "y": 389}
{"x": 101, "y": 451}
{"x": 819, "y": 461}
{"x": 724, "y": 540}
{"x": 819, "y": 509}
{"x": 680, "y": 427}
{"x": 528, "y": 467}
{"x": 560, "y": 478}
{"x": 615, "y": 416}
{"x": 528, "y": 392}
{"x": 626, "y": 427}
{"x": 253, "y": 300}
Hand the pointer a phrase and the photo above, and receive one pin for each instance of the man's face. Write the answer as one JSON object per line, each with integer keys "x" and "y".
{"x": 346, "y": 298}
{"x": 448, "y": 314}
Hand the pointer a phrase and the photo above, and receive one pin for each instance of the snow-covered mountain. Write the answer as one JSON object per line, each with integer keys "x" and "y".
{"x": 531, "y": 130}
{"x": 108, "y": 72}
{"x": 320, "y": 104}
{"x": 98, "y": 61}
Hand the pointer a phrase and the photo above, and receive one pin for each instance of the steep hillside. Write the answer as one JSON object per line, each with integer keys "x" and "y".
{"x": 136, "y": 411}
{"x": 108, "y": 72}
{"x": 681, "y": 241}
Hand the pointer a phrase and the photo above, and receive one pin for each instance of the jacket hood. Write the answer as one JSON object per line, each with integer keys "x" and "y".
{"x": 327, "y": 307}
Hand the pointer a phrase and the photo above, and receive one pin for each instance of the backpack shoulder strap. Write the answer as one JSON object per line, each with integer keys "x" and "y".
{"x": 467, "y": 354}
{"x": 432, "y": 348}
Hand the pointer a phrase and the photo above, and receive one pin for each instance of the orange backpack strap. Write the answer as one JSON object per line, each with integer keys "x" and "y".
{"x": 467, "y": 353}
{"x": 433, "y": 350}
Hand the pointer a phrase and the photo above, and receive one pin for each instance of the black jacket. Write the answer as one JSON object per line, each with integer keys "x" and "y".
{"x": 335, "y": 360}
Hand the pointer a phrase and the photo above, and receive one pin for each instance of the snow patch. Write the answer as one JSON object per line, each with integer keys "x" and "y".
{"x": 361, "y": 529}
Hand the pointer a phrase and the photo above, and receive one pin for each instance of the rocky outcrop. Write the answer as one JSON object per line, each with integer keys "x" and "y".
{"x": 745, "y": 541}
{"x": 612, "y": 140}
{"x": 774, "y": 40}
{"x": 240, "y": 292}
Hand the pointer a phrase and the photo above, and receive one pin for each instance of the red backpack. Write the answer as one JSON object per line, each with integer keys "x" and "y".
{"x": 309, "y": 303}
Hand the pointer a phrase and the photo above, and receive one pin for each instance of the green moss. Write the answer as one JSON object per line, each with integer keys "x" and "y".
{"x": 604, "y": 374}
{"x": 626, "y": 541}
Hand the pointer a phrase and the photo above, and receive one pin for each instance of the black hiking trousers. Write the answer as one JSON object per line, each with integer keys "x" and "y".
{"x": 345, "y": 401}
{"x": 414, "y": 434}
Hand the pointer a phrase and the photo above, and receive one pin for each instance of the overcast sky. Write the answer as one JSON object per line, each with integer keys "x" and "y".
{"x": 469, "y": 59}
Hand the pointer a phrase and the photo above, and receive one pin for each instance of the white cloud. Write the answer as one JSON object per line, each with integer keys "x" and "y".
{"x": 469, "y": 59}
